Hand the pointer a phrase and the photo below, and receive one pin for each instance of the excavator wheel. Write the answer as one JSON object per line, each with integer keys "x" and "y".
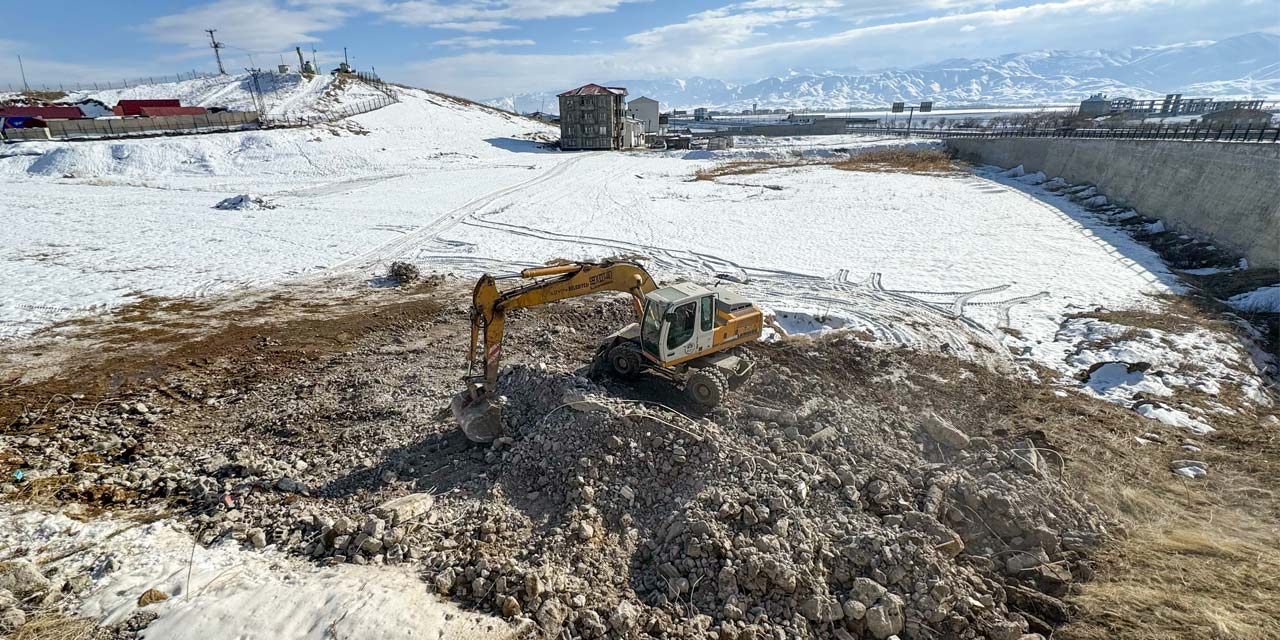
{"x": 624, "y": 360}
{"x": 707, "y": 387}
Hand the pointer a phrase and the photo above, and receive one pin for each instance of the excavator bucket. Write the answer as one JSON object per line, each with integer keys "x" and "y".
{"x": 480, "y": 418}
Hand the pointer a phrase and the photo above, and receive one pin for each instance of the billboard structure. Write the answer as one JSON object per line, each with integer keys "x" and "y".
{"x": 899, "y": 107}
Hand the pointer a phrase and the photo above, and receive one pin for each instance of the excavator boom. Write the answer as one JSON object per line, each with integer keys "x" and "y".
{"x": 476, "y": 411}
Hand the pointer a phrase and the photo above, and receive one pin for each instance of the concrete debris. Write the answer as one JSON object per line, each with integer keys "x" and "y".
{"x": 942, "y": 431}
{"x": 795, "y": 510}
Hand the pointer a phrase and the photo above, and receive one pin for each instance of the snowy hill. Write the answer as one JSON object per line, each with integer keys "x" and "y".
{"x": 281, "y": 93}
{"x": 1246, "y": 65}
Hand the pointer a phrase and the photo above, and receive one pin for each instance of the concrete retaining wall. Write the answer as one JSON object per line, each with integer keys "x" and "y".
{"x": 1226, "y": 193}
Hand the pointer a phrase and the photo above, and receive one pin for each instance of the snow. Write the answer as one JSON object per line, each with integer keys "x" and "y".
{"x": 938, "y": 261}
{"x": 1172, "y": 417}
{"x": 1263, "y": 299}
{"x": 289, "y": 92}
{"x": 233, "y": 592}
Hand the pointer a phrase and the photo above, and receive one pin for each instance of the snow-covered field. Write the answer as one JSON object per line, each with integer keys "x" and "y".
{"x": 984, "y": 262}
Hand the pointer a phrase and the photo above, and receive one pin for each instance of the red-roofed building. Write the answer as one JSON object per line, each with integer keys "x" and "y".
{"x": 592, "y": 117}
{"x": 134, "y": 107}
{"x": 43, "y": 113}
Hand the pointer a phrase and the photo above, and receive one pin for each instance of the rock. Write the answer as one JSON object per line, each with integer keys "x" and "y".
{"x": 510, "y": 606}
{"x": 614, "y": 442}
{"x": 585, "y": 531}
{"x": 11, "y": 619}
{"x": 952, "y": 548}
{"x": 444, "y": 580}
{"x": 885, "y": 618}
{"x": 375, "y": 527}
{"x": 532, "y": 585}
{"x": 405, "y": 508}
{"x": 151, "y": 596}
{"x": 591, "y": 625}
{"x": 624, "y": 618}
{"x": 942, "y": 431}
{"x": 551, "y": 616}
{"x": 23, "y": 579}
{"x": 258, "y": 538}
{"x": 343, "y": 525}
{"x": 854, "y": 610}
{"x": 1189, "y": 468}
{"x": 867, "y": 591}
{"x": 627, "y": 493}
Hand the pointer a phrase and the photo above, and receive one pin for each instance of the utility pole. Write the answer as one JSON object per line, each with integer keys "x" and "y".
{"x": 344, "y": 57}
{"x": 258, "y": 100}
{"x": 25, "y": 87}
{"x": 216, "y": 50}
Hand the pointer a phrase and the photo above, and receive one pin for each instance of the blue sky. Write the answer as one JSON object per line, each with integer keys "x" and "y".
{"x": 489, "y": 48}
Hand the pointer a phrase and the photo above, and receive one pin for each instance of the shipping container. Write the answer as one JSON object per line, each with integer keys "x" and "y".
{"x": 46, "y": 113}
{"x": 153, "y": 112}
{"x": 134, "y": 107}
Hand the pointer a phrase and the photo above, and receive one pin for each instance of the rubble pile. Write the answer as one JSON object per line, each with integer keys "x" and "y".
{"x": 801, "y": 508}
{"x": 607, "y": 518}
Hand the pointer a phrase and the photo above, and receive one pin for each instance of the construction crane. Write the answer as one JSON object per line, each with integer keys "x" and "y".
{"x": 684, "y": 332}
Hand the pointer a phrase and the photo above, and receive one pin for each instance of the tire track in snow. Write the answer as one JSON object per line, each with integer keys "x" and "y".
{"x": 400, "y": 246}
{"x": 886, "y": 314}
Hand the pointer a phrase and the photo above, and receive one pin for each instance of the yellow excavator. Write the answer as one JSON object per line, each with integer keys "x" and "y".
{"x": 684, "y": 332}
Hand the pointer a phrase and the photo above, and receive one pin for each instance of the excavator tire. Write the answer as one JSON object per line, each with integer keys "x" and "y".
{"x": 707, "y": 387}
{"x": 625, "y": 360}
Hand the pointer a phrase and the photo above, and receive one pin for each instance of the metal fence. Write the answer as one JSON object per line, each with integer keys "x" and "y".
{"x": 109, "y": 128}
{"x": 107, "y": 84}
{"x": 1197, "y": 133}
{"x": 346, "y": 111}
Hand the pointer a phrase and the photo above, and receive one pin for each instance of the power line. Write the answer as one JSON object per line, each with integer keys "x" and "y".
{"x": 217, "y": 53}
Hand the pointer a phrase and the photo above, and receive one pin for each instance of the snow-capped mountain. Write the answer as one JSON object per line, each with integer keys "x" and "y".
{"x": 1245, "y": 65}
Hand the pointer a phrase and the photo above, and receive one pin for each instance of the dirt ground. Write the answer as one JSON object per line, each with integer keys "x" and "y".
{"x": 344, "y": 393}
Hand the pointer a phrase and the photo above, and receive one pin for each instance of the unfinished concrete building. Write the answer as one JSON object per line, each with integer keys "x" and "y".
{"x": 592, "y": 117}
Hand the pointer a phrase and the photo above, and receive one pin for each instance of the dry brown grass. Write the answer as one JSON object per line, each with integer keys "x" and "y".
{"x": 1197, "y": 560}
{"x": 53, "y": 626}
{"x": 746, "y": 167}
{"x": 889, "y": 160}
{"x": 900, "y": 160}
{"x": 1177, "y": 314}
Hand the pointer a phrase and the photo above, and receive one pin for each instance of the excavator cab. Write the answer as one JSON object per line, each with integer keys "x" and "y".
{"x": 683, "y": 321}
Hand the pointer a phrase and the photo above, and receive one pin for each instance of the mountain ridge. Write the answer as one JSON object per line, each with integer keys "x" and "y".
{"x": 1247, "y": 65}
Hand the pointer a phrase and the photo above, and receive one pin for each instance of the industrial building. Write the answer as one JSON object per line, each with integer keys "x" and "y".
{"x": 595, "y": 117}
{"x": 1174, "y": 104}
{"x": 645, "y": 110}
{"x": 1256, "y": 118}
{"x": 1096, "y": 105}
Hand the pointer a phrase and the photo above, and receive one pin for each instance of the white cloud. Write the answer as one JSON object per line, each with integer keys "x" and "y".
{"x": 472, "y": 42}
{"x": 483, "y": 15}
{"x": 255, "y": 25}
{"x": 474, "y": 26}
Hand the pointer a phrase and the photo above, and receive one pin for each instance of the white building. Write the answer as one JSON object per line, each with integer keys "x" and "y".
{"x": 645, "y": 110}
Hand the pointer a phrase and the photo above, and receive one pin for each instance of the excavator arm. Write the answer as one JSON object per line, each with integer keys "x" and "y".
{"x": 478, "y": 413}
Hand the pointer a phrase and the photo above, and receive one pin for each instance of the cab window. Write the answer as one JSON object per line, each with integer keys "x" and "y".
{"x": 707, "y": 318}
{"x": 681, "y": 329}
